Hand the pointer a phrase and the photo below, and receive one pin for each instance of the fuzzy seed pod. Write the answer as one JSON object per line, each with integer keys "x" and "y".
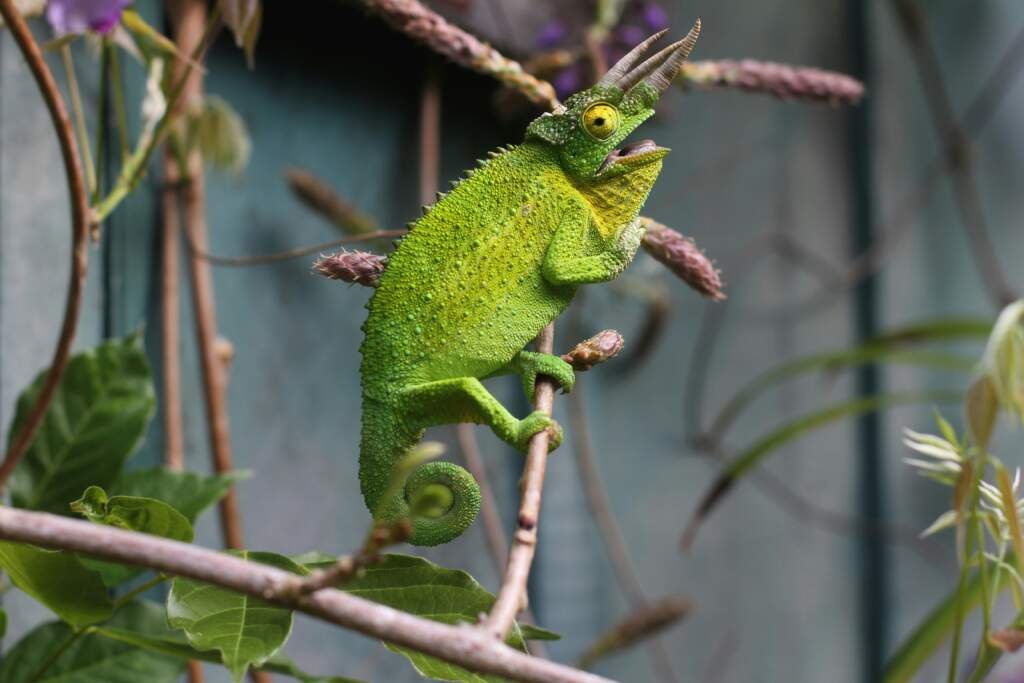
{"x": 357, "y": 267}
{"x": 680, "y": 255}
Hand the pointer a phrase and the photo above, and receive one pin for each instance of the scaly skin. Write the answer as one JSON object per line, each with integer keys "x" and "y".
{"x": 478, "y": 276}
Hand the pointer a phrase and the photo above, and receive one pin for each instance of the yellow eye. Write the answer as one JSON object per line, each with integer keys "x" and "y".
{"x": 601, "y": 120}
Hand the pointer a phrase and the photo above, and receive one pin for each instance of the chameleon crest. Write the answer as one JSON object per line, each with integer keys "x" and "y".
{"x": 486, "y": 268}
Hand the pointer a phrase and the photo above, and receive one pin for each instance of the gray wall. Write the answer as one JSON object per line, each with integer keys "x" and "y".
{"x": 777, "y": 588}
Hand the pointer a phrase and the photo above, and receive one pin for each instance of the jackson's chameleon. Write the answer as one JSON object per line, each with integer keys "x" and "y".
{"x": 487, "y": 267}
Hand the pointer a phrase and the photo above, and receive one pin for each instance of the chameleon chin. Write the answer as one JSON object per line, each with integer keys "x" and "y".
{"x": 487, "y": 267}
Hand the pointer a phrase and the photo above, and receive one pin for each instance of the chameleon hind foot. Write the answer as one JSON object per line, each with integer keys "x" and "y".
{"x": 534, "y": 423}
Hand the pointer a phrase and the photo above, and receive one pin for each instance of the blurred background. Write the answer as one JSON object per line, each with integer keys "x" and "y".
{"x": 831, "y": 224}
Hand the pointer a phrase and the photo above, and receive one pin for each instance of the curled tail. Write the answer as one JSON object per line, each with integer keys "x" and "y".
{"x": 453, "y": 494}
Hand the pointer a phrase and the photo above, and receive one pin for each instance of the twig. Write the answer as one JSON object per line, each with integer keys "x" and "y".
{"x": 318, "y": 196}
{"x": 462, "y": 645}
{"x": 945, "y": 122}
{"x": 199, "y": 251}
{"x": 191, "y": 15}
{"x": 497, "y": 542}
{"x": 644, "y": 622}
{"x": 170, "y": 317}
{"x": 512, "y": 594}
{"x": 431, "y": 29}
{"x": 79, "y": 235}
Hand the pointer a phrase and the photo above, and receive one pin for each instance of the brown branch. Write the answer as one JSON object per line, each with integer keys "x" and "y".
{"x": 431, "y": 29}
{"x": 191, "y": 20}
{"x": 512, "y": 594}
{"x": 318, "y": 196}
{"x": 944, "y": 120}
{"x": 462, "y": 645}
{"x": 79, "y": 235}
{"x": 170, "y": 318}
{"x": 199, "y": 251}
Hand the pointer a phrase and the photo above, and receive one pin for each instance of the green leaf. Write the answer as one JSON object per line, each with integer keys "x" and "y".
{"x": 187, "y": 492}
{"x": 247, "y": 631}
{"x": 134, "y": 513}
{"x": 884, "y": 348}
{"x": 3, "y": 623}
{"x": 933, "y": 631}
{"x": 91, "y": 658}
{"x": 533, "y": 632}
{"x": 736, "y": 468}
{"x": 982, "y": 410}
{"x": 96, "y": 421}
{"x": 422, "y": 588}
{"x": 59, "y": 580}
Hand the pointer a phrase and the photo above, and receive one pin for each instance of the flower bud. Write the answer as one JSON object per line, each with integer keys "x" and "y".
{"x": 357, "y": 267}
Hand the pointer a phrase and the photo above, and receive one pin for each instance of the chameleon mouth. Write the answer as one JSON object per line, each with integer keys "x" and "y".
{"x": 637, "y": 154}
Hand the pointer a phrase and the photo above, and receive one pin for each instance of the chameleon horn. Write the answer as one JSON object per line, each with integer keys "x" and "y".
{"x": 640, "y": 72}
{"x": 662, "y": 77}
{"x": 632, "y": 58}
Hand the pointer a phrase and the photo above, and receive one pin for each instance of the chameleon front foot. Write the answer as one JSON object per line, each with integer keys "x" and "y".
{"x": 532, "y": 424}
{"x": 529, "y": 364}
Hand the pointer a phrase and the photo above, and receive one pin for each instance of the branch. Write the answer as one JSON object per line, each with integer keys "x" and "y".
{"x": 462, "y": 645}
{"x": 512, "y": 594}
{"x": 431, "y": 29}
{"x": 79, "y": 235}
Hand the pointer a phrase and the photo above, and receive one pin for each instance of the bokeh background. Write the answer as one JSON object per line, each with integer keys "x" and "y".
{"x": 811, "y": 570}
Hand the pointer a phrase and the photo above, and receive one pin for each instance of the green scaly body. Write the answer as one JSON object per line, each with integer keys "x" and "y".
{"x": 478, "y": 276}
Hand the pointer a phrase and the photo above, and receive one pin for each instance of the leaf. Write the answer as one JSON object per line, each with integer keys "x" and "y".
{"x": 533, "y": 632}
{"x": 934, "y": 629}
{"x": 3, "y": 623}
{"x": 982, "y": 410}
{"x": 171, "y": 643}
{"x": 884, "y": 348}
{"x": 96, "y": 421}
{"x": 148, "y": 515}
{"x": 420, "y": 587}
{"x": 244, "y": 18}
{"x": 91, "y": 658}
{"x": 59, "y": 580}
{"x": 246, "y": 630}
{"x": 220, "y": 134}
{"x": 187, "y": 492}
{"x": 792, "y": 430}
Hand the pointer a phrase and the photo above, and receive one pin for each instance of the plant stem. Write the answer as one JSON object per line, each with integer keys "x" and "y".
{"x": 19, "y": 443}
{"x": 101, "y": 116}
{"x": 79, "y": 112}
{"x": 56, "y": 654}
{"x": 119, "y": 107}
{"x": 512, "y": 594}
{"x": 133, "y": 170}
{"x": 139, "y": 590}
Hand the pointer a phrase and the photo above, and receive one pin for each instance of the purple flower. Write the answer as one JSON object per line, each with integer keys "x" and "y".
{"x": 568, "y": 81}
{"x": 551, "y": 35}
{"x": 655, "y": 16}
{"x": 78, "y": 16}
{"x": 627, "y": 34}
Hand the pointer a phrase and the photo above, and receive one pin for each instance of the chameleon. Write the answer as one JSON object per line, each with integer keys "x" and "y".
{"x": 488, "y": 266}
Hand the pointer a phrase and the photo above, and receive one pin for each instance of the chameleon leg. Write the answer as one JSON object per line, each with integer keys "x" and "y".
{"x": 564, "y": 266}
{"x": 464, "y": 399}
{"x": 529, "y": 364}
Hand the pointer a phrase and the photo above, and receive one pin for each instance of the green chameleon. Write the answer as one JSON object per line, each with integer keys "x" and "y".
{"x": 486, "y": 268}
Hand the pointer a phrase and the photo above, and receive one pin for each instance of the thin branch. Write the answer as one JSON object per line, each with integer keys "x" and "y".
{"x": 190, "y": 18}
{"x": 170, "y": 318}
{"x": 199, "y": 251}
{"x": 494, "y": 532}
{"x": 512, "y": 594}
{"x": 79, "y": 235}
{"x": 462, "y": 645}
{"x": 944, "y": 120}
{"x": 429, "y": 28}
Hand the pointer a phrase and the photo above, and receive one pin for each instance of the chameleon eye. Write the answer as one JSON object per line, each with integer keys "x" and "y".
{"x": 601, "y": 120}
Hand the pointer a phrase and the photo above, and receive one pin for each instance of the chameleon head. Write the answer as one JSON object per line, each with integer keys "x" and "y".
{"x": 588, "y": 128}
